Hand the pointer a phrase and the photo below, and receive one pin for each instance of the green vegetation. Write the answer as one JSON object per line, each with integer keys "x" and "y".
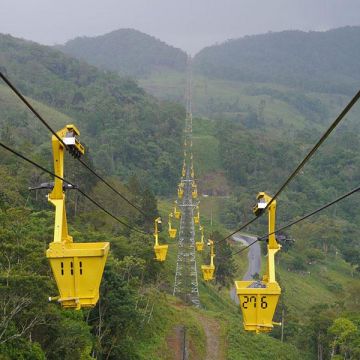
{"x": 127, "y": 131}
{"x": 128, "y": 52}
{"x": 252, "y": 127}
{"x": 294, "y": 58}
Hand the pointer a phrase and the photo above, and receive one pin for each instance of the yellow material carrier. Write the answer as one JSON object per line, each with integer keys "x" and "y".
{"x": 258, "y": 299}
{"x": 194, "y": 192}
{"x": 200, "y": 244}
{"x": 172, "y": 231}
{"x": 181, "y": 190}
{"x": 208, "y": 270}
{"x": 197, "y": 216}
{"x": 177, "y": 212}
{"x": 160, "y": 250}
{"x": 77, "y": 267}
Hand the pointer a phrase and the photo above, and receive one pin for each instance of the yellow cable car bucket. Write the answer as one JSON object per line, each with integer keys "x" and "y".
{"x": 180, "y": 190}
{"x": 177, "y": 213}
{"x": 77, "y": 267}
{"x": 200, "y": 244}
{"x": 160, "y": 250}
{"x": 172, "y": 231}
{"x": 208, "y": 270}
{"x": 197, "y": 216}
{"x": 194, "y": 192}
{"x": 258, "y": 299}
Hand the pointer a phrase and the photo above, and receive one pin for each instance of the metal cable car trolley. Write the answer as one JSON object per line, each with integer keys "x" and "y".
{"x": 77, "y": 267}
{"x": 160, "y": 250}
{"x": 258, "y": 299}
{"x": 208, "y": 270}
{"x": 172, "y": 231}
{"x": 197, "y": 216}
{"x": 200, "y": 244}
{"x": 177, "y": 213}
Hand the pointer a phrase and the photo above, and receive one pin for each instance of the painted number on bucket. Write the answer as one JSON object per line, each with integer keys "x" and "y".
{"x": 251, "y": 300}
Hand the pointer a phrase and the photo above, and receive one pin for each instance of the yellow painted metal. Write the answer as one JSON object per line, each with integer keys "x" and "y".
{"x": 258, "y": 299}
{"x": 200, "y": 244}
{"x": 183, "y": 171}
{"x": 77, "y": 267}
{"x": 194, "y": 192}
{"x": 160, "y": 250}
{"x": 197, "y": 216}
{"x": 180, "y": 190}
{"x": 208, "y": 270}
{"x": 172, "y": 231}
{"x": 258, "y": 304}
{"x": 177, "y": 213}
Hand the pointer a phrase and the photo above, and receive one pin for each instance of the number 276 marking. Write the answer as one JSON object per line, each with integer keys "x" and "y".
{"x": 251, "y": 300}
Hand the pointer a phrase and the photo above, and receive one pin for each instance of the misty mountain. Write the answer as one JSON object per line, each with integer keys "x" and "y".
{"x": 126, "y": 51}
{"x": 320, "y": 61}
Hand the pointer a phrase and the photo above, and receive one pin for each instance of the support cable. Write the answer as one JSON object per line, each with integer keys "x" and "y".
{"x": 73, "y": 186}
{"x": 31, "y": 108}
{"x": 303, "y": 162}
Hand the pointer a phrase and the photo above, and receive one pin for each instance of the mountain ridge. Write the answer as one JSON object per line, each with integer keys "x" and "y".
{"x": 127, "y": 51}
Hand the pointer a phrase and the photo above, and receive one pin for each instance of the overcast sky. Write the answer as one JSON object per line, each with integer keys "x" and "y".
{"x": 188, "y": 24}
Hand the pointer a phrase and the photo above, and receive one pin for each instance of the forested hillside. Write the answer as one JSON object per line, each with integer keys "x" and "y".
{"x": 319, "y": 61}
{"x": 128, "y": 52}
{"x": 128, "y": 131}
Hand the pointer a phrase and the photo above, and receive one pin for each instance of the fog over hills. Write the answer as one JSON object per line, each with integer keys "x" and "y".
{"x": 127, "y": 51}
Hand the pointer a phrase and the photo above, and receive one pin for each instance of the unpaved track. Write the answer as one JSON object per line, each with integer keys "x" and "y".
{"x": 213, "y": 336}
{"x": 175, "y": 342}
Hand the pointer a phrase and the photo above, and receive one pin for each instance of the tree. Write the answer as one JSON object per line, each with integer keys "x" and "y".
{"x": 346, "y": 338}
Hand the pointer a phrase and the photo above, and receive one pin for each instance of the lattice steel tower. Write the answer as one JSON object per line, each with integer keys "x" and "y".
{"x": 186, "y": 280}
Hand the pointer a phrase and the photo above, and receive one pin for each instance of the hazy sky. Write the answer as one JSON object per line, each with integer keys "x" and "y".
{"x": 187, "y": 24}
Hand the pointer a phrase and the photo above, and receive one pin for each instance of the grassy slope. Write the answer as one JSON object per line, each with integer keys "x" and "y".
{"x": 171, "y": 84}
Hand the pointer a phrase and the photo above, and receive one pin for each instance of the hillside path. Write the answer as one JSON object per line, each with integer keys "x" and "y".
{"x": 213, "y": 336}
{"x": 254, "y": 260}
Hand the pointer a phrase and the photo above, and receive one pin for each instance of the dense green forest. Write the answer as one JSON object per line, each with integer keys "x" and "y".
{"x": 253, "y": 126}
{"x": 318, "y": 61}
{"x": 127, "y": 51}
{"x": 127, "y": 131}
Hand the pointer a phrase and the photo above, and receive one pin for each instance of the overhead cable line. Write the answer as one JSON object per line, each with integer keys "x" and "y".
{"x": 31, "y": 108}
{"x": 342, "y": 197}
{"x": 73, "y": 186}
{"x": 303, "y": 162}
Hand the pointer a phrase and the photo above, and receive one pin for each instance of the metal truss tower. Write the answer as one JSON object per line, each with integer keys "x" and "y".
{"x": 186, "y": 276}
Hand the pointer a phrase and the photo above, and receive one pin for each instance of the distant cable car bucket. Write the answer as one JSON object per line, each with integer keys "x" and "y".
{"x": 194, "y": 190}
{"x": 160, "y": 250}
{"x": 208, "y": 270}
{"x": 172, "y": 231}
{"x": 258, "y": 302}
{"x": 181, "y": 191}
{"x": 177, "y": 213}
{"x": 197, "y": 216}
{"x": 200, "y": 244}
{"x": 77, "y": 267}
